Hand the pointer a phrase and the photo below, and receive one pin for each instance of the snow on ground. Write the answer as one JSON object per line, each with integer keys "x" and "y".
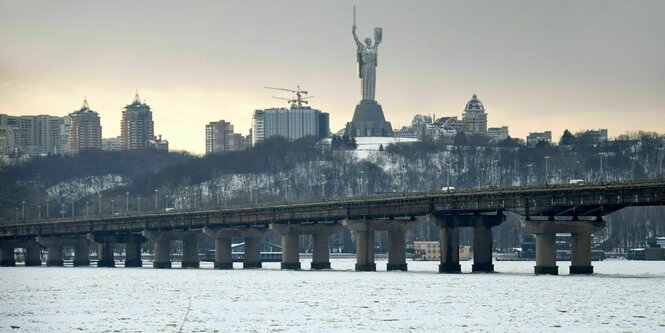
{"x": 622, "y": 296}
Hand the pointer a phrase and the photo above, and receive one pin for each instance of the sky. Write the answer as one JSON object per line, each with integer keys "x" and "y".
{"x": 535, "y": 65}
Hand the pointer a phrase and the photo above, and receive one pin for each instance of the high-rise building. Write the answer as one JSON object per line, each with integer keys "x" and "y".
{"x": 219, "y": 135}
{"x": 136, "y": 126}
{"x": 475, "y": 118}
{"x": 294, "y": 123}
{"x": 85, "y": 132}
{"x": 35, "y": 135}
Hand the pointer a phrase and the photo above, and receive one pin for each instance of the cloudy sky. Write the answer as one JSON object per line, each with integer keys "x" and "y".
{"x": 536, "y": 65}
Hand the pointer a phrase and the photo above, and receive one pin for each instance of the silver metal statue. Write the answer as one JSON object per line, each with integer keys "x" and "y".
{"x": 367, "y": 60}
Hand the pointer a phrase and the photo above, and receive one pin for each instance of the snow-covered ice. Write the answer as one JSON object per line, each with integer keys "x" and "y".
{"x": 622, "y": 296}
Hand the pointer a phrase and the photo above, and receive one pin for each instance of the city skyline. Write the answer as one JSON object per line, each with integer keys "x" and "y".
{"x": 535, "y": 67}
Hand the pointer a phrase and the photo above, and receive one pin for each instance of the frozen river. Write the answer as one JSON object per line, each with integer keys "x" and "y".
{"x": 624, "y": 296}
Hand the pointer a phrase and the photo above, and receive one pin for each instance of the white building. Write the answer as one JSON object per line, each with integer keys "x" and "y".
{"x": 497, "y": 134}
{"x": 293, "y": 123}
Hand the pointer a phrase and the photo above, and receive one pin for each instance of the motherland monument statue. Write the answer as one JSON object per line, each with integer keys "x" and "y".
{"x": 368, "y": 118}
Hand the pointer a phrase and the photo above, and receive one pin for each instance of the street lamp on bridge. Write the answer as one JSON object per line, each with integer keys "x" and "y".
{"x": 156, "y": 190}
{"x": 547, "y": 181}
{"x": 23, "y": 210}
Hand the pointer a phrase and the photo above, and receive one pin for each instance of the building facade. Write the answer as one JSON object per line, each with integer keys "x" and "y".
{"x": 136, "y": 126}
{"x": 497, "y": 134}
{"x": 34, "y": 135}
{"x": 535, "y": 137}
{"x": 293, "y": 123}
{"x": 111, "y": 144}
{"x": 219, "y": 136}
{"x": 85, "y": 131}
{"x": 474, "y": 117}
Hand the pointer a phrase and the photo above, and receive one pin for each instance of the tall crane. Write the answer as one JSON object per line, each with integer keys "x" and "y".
{"x": 299, "y": 100}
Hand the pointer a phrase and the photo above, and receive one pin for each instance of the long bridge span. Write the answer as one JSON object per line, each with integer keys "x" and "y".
{"x": 573, "y": 209}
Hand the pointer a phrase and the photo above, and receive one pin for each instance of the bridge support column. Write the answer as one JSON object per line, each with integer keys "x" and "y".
{"x": 290, "y": 245}
{"x": 223, "y": 238}
{"x": 482, "y": 243}
{"x": 81, "y": 252}
{"x": 223, "y": 259}
{"x": 33, "y": 255}
{"x": 546, "y": 244}
{"x": 162, "y": 250}
{"x": 105, "y": 257}
{"x": 396, "y": 250}
{"x": 364, "y": 244}
{"x": 448, "y": 242}
{"x": 190, "y": 250}
{"x": 252, "y": 252}
{"x": 546, "y": 254}
{"x": 581, "y": 254}
{"x": 133, "y": 252}
{"x": 53, "y": 251}
{"x": 162, "y": 255}
{"x": 321, "y": 250}
{"x": 7, "y": 258}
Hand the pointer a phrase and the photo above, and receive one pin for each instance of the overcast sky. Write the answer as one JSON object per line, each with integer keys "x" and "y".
{"x": 536, "y": 65}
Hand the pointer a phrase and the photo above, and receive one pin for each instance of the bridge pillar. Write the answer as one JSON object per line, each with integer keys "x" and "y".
{"x": 162, "y": 250}
{"x": 133, "y": 252}
{"x": 290, "y": 245}
{"x": 33, "y": 254}
{"x": 482, "y": 242}
{"x": 7, "y": 258}
{"x": 546, "y": 244}
{"x": 364, "y": 244}
{"x": 81, "y": 252}
{"x": 397, "y": 244}
{"x": 581, "y": 254}
{"x": 321, "y": 249}
{"x": 252, "y": 257}
{"x": 105, "y": 257}
{"x": 190, "y": 250}
{"x": 223, "y": 259}
{"x": 53, "y": 251}
{"x": 546, "y": 254}
{"x": 448, "y": 242}
{"x": 223, "y": 238}
{"x": 396, "y": 250}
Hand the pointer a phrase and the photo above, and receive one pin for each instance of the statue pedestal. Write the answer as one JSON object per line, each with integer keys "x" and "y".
{"x": 368, "y": 120}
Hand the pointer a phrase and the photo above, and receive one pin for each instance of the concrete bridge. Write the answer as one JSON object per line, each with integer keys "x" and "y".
{"x": 546, "y": 211}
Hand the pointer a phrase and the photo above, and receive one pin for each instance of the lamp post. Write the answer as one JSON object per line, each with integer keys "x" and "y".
{"x": 660, "y": 162}
{"x": 112, "y": 208}
{"x": 16, "y": 214}
{"x": 547, "y": 158}
{"x": 156, "y": 190}
{"x": 139, "y": 205}
{"x": 602, "y": 172}
{"x": 23, "y": 210}
{"x": 39, "y": 207}
{"x": 87, "y": 208}
{"x": 47, "y": 201}
{"x": 62, "y": 210}
{"x": 72, "y": 208}
{"x": 127, "y": 202}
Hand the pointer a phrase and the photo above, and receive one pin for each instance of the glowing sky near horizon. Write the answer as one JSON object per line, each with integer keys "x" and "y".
{"x": 535, "y": 65}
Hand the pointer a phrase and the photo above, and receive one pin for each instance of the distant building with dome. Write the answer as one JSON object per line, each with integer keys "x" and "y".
{"x": 474, "y": 117}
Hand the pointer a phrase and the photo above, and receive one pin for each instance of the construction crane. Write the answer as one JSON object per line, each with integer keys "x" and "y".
{"x": 299, "y": 100}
